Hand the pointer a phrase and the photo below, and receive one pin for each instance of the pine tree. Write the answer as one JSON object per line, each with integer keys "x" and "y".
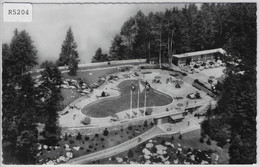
{"x": 69, "y": 55}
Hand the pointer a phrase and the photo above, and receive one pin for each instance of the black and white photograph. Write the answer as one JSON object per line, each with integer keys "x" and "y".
{"x": 128, "y": 82}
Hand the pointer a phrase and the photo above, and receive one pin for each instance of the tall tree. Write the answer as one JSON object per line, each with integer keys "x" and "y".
{"x": 99, "y": 56}
{"x": 69, "y": 55}
{"x": 20, "y": 101}
{"x": 22, "y": 51}
{"x": 50, "y": 96}
{"x": 117, "y": 49}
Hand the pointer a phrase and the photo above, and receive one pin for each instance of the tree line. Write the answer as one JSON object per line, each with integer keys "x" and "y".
{"x": 27, "y": 101}
{"x": 174, "y": 31}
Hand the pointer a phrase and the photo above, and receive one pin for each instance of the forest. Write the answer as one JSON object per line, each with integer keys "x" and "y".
{"x": 228, "y": 26}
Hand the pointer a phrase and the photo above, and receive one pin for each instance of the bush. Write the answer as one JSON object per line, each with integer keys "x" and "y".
{"x": 79, "y": 136}
{"x": 145, "y": 123}
{"x": 105, "y": 132}
{"x": 86, "y": 138}
{"x": 72, "y": 142}
{"x": 154, "y": 150}
{"x": 172, "y": 137}
{"x": 201, "y": 140}
{"x": 96, "y": 135}
{"x": 130, "y": 154}
{"x": 130, "y": 127}
{"x": 163, "y": 142}
{"x": 180, "y": 137}
{"x": 208, "y": 141}
{"x": 90, "y": 146}
{"x": 66, "y": 137}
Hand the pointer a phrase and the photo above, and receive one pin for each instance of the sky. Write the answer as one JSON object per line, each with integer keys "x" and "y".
{"x": 93, "y": 26}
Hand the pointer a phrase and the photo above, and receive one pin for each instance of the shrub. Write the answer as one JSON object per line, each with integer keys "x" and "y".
{"x": 201, "y": 140}
{"x": 180, "y": 137}
{"x": 90, "y": 146}
{"x": 86, "y": 121}
{"x": 172, "y": 137}
{"x": 163, "y": 142}
{"x": 79, "y": 136}
{"x": 145, "y": 123}
{"x": 105, "y": 132}
{"x": 86, "y": 138}
{"x": 130, "y": 154}
{"x": 208, "y": 141}
{"x": 96, "y": 135}
{"x": 130, "y": 127}
{"x": 113, "y": 158}
{"x": 72, "y": 142}
{"x": 154, "y": 150}
{"x": 102, "y": 139}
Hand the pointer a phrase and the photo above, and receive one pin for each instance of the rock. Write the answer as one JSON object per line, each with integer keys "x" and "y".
{"x": 168, "y": 143}
{"x": 146, "y": 151}
{"x": 150, "y": 141}
{"x": 180, "y": 149}
{"x": 147, "y": 162}
{"x": 159, "y": 152}
{"x": 164, "y": 152}
{"x": 167, "y": 162}
{"x": 204, "y": 162}
{"x": 179, "y": 144}
{"x": 147, "y": 156}
{"x": 109, "y": 159}
{"x": 39, "y": 147}
{"x": 149, "y": 145}
{"x": 119, "y": 159}
{"x": 192, "y": 157}
{"x": 217, "y": 157}
{"x": 69, "y": 154}
{"x": 176, "y": 161}
{"x": 161, "y": 147}
{"x": 61, "y": 158}
{"x": 50, "y": 163}
{"x": 132, "y": 162}
{"x": 45, "y": 147}
{"x": 67, "y": 147}
{"x": 76, "y": 148}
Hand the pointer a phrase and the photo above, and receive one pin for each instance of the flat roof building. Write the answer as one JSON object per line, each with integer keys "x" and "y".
{"x": 187, "y": 58}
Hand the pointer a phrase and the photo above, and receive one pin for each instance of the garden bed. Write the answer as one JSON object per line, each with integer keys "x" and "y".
{"x": 81, "y": 144}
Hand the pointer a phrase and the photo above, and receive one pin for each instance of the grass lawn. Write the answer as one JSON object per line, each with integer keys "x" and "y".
{"x": 69, "y": 95}
{"x": 110, "y": 106}
{"x": 90, "y": 76}
{"x": 92, "y": 143}
{"x": 189, "y": 143}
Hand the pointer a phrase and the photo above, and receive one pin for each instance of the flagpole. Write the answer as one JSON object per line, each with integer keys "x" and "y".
{"x": 138, "y": 95}
{"x": 144, "y": 101}
{"x": 131, "y": 103}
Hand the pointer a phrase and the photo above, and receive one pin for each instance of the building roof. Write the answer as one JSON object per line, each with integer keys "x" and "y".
{"x": 174, "y": 117}
{"x": 190, "y": 54}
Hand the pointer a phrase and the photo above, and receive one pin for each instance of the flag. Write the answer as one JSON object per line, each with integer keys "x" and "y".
{"x": 147, "y": 86}
{"x": 141, "y": 87}
{"x": 133, "y": 87}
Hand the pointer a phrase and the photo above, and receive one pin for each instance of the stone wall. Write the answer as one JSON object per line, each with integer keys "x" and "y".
{"x": 99, "y": 130}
